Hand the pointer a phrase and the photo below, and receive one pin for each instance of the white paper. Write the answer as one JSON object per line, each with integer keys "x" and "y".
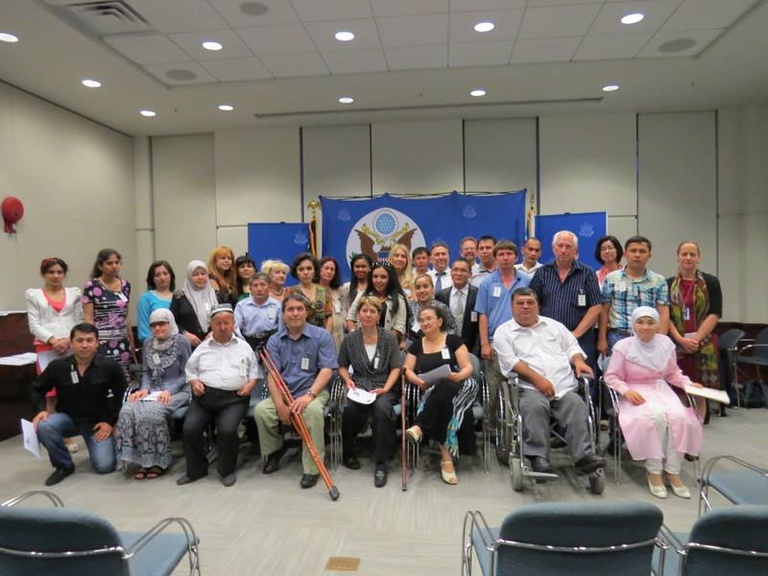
{"x": 360, "y": 395}
{"x": 151, "y": 397}
{"x": 19, "y": 359}
{"x": 709, "y": 393}
{"x": 45, "y": 358}
{"x": 440, "y": 373}
{"x": 30, "y": 438}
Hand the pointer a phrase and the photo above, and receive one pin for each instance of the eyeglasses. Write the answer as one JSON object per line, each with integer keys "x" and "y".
{"x": 427, "y": 320}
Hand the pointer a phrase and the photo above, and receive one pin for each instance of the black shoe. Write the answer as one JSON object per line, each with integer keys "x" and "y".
{"x": 380, "y": 476}
{"x": 58, "y": 475}
{"x": 181, "y": 480}
{"x": 229, "y": 479}
{"x": 309, "y": 480}
{"x": 541, "y": 464}
{"x": 589, "y": 464}
{"x": 350, "y": 461}
{"x": 272, "y": 462}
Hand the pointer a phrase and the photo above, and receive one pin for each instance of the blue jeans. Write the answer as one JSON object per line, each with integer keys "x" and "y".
{"x": 52, "y": 431}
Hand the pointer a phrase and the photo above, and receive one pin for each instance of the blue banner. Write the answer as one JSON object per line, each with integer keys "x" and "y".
{"x": 277, "y": 241}
{"x": 588, "y": 226}
{"x": 372, "y": 226}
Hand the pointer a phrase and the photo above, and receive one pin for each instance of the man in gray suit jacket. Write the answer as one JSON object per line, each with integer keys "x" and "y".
{"x": 460, "y": 298}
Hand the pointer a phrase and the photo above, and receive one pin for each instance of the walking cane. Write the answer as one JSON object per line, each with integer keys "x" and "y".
{"x": 403, "y": 448}
{"x": 300, "y": 425}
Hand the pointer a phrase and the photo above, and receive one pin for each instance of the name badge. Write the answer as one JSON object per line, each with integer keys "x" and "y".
{"x": 271, "y": 315}
{"x": 337, "y": 307}
{"x": 473, "y": 316}
{"x": 496, "y": 291}
{"x": 582, "y": 299}
{"x": 305, "y": 363}
{"x": 155, "y": 357}
{"x": 376, "y": 363}
{"x": 445, "y": 354}
{"x": 687, "y": 314}
{"x": 75, "y": 378}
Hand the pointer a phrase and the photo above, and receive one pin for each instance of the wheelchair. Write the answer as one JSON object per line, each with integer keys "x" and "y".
{"x": 509, "y": 436}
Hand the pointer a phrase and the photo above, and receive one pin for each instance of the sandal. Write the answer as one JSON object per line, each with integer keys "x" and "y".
{"x": 448, "y": 477}
{"x": 141, "y": 474}
{"x": 414, "y": 434}
{"x": 154, "y": 472}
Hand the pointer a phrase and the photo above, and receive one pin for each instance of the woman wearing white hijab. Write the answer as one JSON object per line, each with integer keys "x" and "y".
{"x": 142, "y": 435}
{"x": 191, "y": 307}
{"x": 657, "y": 427}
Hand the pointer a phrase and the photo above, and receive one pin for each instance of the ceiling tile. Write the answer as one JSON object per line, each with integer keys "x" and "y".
{"x": 147, "y": 49}
{"x": 170, "y": 16}
{"x": 413, "y": 30}
{"x": 472, "y": 5}
{"x": 479, "y": 54}
{"x": 707, "y": 14}
{"x": 656, "y": 12}
{"x": 544, "y": 50}
{"x": 162, "y": 71}
{"x": 417, "y": 57}
{"x": 320, "y": 10}
{"x": 462, "y": 25}
{"x": 278, "y": 12}
{"x": 558, "y": 22}
{"x": 611, "y": 47}
{"x": 408, "y": 7}
{"x": 540, "y": 3}
{"x": 366, "y": 35}
{"x": 288, "y": 65}
{"x": 282, "y": 39}
{"x": 237, "y": 69}
{"x": 191, "y": 43}
{"x": 358, "y": 61}
{"x": 702, "y": 38}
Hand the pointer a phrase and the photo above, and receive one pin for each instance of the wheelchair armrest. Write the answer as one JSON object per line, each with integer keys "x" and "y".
{"x": 55, "y": 500}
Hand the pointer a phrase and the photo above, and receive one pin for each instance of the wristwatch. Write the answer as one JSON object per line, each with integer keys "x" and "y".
{"x": 311, "y": 394}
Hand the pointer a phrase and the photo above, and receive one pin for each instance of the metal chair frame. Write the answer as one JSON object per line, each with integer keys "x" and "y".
{"x": 705, "y": 504}
{"x": 760, "y": 344}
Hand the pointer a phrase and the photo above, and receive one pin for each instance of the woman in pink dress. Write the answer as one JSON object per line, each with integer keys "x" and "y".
{"x": 657, "y": 427}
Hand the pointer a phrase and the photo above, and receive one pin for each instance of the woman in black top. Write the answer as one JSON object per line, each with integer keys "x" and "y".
{"x": 374, "y": 355}
{"x": 444, "y": 403}
{"x": 192, "y": 306}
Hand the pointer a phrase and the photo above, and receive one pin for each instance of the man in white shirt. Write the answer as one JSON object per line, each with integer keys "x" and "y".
{"x": 222, "y": 371}
{"x": 487, "y": 259}
{"x": 531, "y": 254}
{"x": 545, "y": 354}
{"x": 439, "y": 255}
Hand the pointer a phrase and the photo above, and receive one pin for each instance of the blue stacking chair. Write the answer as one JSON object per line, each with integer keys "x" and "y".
{"x": 57, "y": 540}
{"x": 725, "y": 541}
{"x": 747, "y": 484}
{"x": 565, "y": 539}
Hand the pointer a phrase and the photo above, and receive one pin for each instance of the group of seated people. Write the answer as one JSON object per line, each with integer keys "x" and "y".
{"x": 201, "y": 351}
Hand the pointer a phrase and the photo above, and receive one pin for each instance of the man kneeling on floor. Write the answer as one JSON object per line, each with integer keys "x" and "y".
{"x": 90, "y": 390}
{"x": 305, "y": 356}
{"x": 222, "y": 371}
{"x": 544, "y": 354}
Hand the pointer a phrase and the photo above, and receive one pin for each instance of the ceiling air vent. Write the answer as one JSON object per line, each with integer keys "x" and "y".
{"x": 105, "y": 17}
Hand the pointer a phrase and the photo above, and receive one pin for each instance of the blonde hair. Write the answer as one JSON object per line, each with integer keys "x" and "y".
{"x": 406, "y": 276}
{"x": 268, "y": 266}
{"x": 368, "y": 300}
{"x": 228, "y": 279}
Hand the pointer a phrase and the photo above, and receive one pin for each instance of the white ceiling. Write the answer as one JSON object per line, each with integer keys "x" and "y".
{"x": 410, "y": 59}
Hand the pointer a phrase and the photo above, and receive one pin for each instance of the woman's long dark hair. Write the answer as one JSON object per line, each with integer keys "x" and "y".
{"x": 336, "y": 280}
{"x": 393, "y": 289}
{"x": 353, "y": 279}
{"x": 103, "y": 255}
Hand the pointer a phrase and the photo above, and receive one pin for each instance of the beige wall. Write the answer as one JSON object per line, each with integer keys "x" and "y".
{"x": 76, "y": 180}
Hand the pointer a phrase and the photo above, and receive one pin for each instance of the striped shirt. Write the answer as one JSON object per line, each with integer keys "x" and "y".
{"x": 624, "y": 294}
{"x": 566, "y": 301}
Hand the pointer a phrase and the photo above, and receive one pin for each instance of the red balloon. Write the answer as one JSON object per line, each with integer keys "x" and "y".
{"x": 13, "y": 210}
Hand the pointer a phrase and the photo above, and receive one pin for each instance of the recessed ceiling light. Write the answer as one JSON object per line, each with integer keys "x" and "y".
{"x": 484, "y": 26}
{"x": 8, "y": 37}
{"x": 88, "y": 83}
{"x": 610, "y": 87}
{"x": 148, "y": 113}
{"x": 477, "y": 92}
{"x": 346, "y": 100}
{"x": 344, "y": 36}
{"x": 212, "y": 45}
{"x": 226, "y": 107}
{"x": 633, "y": 18}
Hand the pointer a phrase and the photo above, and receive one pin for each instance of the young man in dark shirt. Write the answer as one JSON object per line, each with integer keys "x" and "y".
{"x": 89, "y": 391}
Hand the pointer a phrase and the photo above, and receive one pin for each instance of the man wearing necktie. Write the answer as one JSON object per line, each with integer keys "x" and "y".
{"x": 461, "y": 298}
{"x": 439, "y": 255}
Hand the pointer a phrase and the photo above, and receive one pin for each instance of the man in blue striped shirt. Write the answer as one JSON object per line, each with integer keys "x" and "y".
{"x": 568, "y": 292}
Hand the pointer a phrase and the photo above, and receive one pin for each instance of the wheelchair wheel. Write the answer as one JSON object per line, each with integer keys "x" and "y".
{"x": 503, "y": 433}
{"x": 597, "y": 481}
{"x": 516, "y": 474}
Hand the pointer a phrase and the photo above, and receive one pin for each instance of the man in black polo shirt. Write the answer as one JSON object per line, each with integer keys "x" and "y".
{"x": 89, "y": 391}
